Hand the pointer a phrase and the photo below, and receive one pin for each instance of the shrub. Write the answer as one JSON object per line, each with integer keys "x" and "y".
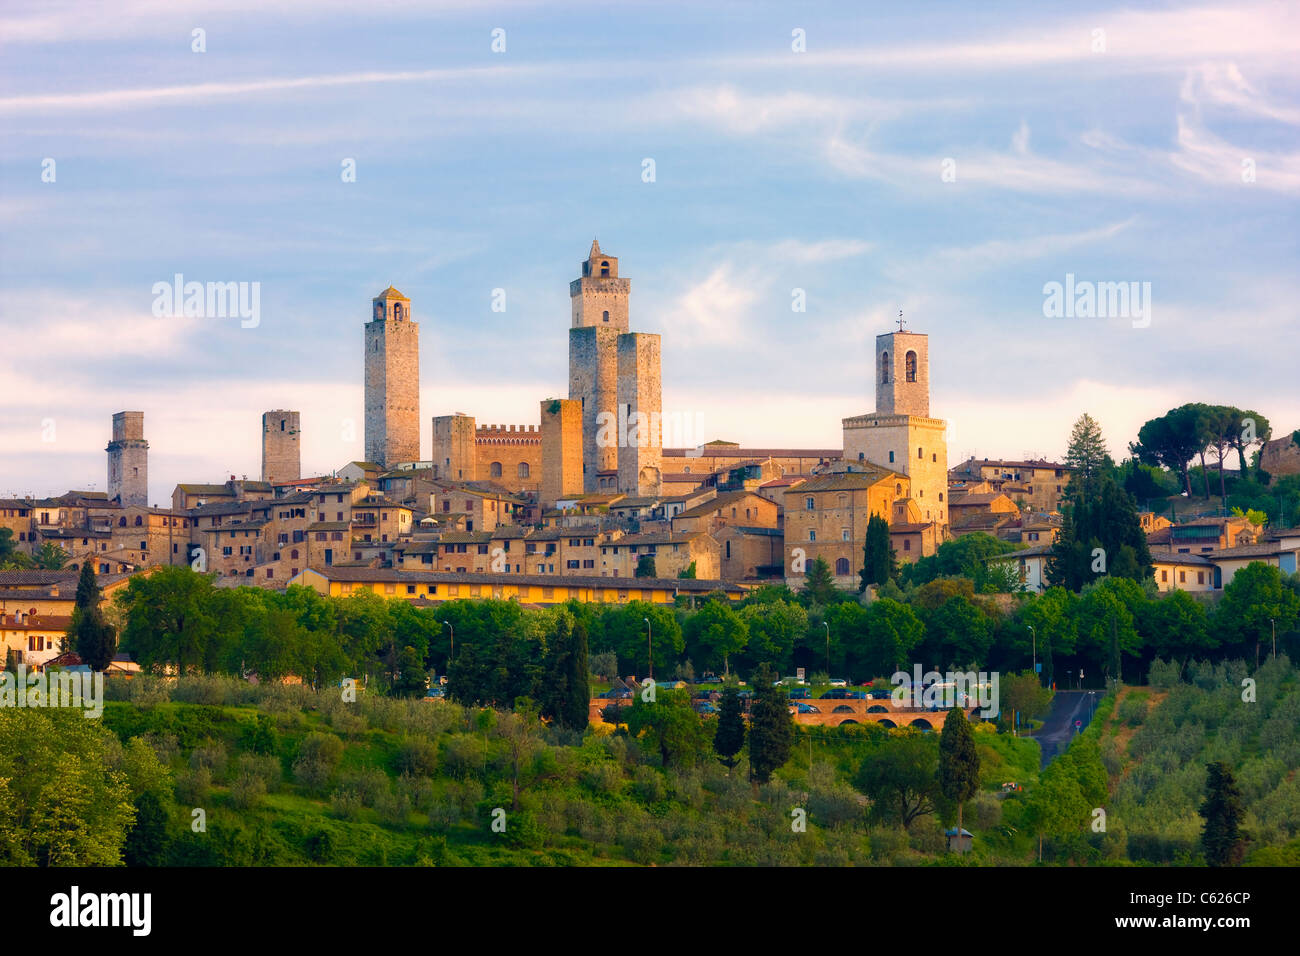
{"x": 345, "y": 803}
{"x": 211, "y": 756}
{"x": 418, "y": 756}
{"x": 318, "y": 755}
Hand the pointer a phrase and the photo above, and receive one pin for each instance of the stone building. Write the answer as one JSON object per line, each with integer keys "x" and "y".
{"x": 281, "y": 446}
{"x": 510, "y": 455}
{"x": 561, "y": 450}
{"x": 900, "y": 435}
{"x": 826, "y": 517}
{"x": 392, "y": 424}
{"x": 128, "y": 460}
{"x": 615, "y": 376}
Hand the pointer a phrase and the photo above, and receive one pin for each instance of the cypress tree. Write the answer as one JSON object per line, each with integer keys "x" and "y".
{"x": 1221, "y": 839}
{"x": 730, "y": 735}
{"x": 878, "y": 564}
{"x": 92, "y": 637}
{"x": 577, "y": 700}
{"x": 959, "y": 762}
{"x": 771, "y": 728}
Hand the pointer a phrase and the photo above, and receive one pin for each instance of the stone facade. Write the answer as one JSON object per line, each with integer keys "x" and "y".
{"x": 826, "y": 517}
{"x": 281, "y": 446}
{"x": 510, "y": 455}
{"x": 392, "y": 425}
{"x": 454, "y": 456}
{"x": 903, "y": 374}
{"x": 1281, "y": 456}
{"x": 128, "y": 460}
{"x": 561, "y": 450}
{"x": 640, "y": 445}
{"x": 593, "y": 383}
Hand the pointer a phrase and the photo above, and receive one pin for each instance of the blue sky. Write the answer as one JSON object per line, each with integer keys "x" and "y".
{"x": 775, "y": 170}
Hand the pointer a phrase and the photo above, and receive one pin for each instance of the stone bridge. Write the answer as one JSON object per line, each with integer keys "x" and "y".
{"x": 836, "y": 713}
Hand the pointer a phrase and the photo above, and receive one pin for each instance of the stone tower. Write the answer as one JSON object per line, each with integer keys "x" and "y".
{"x": 900, "y": 435}
{"x": 281, "y": 448}
{"x": 392, "y": 381}
{"x": 599, "y": 305}
{"x": 640, "y": 453}
{"x": 561, "y": 450}
{"x": 128, "y": 460}
{"x": 454, "y": 453}
{"x": 903, "y": 374}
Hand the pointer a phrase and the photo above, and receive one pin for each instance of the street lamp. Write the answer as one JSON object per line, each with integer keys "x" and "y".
{"x": 650, "y": 650}
{"x": 1034, "y": 635}
{"x": 448, "y": 626}
{"x": 826, "y": 624}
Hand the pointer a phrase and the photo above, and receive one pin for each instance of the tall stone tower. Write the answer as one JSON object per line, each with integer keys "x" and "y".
{"x": 599, "y": 305}
{"x": 900, "y": 435}
{"x": 281, "y": 449}
{"x": 640, "y": 453}
{"x": 613, "y": 373}
{"x": 454, "y": 453}
{"x": 561, "y": 450}
{"x": 128, "y": 460}
{"x": 392, "y": 381}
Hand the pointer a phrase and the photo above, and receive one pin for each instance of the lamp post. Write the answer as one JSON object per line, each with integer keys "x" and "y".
{"x": 826, "y": 624}
{"x": 448, "y": 626}
{"x": 1033, "y": 634}
{"x": 650, "y": 649}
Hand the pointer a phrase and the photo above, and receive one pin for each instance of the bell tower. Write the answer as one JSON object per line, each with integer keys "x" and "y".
{"x": 902, "y": 373}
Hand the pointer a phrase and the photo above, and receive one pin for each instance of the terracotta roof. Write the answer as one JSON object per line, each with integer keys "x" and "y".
{"x": 389, "y": 575}
{"x": 846, "y": 481}
{"x": 733, "y": 451}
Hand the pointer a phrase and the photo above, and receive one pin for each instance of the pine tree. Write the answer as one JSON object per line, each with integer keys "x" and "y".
{"x": 878, "y": 564}
{"x": 1222, "y": 810}
{"x": 92, "y": 637}
{"x": 730, "y": 735}
{"x": 1087, "y": 453}
{"x": 771, "y": 728}
{"x": 959, "y": 763}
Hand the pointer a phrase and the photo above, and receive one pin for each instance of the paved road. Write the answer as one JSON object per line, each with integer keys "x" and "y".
{"x": 1058, "y": 729}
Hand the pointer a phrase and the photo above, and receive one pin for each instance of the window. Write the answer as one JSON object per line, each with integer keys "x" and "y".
{"x": 909, "y": 362}
{"x": 884, "y": 368}
{"x": 841, "y": 565}
{"x": 1164, "y": 575}
{"x": 907, "y": 544}
{"x": 812, "y": 534}
{"x": 604, "y": 270}
{"x": 605, "y": 316}
{"x": 844, "y": 534}
{"x": 138, "y": 521}
{"x": 809, "y": 504}
{"x": 919, "y": 453}
{"x": 891, "y": 456}
{"x": 934, "y": 456}
{"x": 523, "y": 473}
{"x": 1200, "y": 577}
{"x": 1182, "y": 576}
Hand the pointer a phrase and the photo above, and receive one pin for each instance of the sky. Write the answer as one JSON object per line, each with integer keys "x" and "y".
{"x": 946, "y": 160}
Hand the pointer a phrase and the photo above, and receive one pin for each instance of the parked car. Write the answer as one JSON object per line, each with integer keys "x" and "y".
{"x": 705, "y": 707}
{"x": 855, "y": 695}
{"x": 838, "y": 682}
{"x": 881, "y": 694}
{"x": 834, "y": 695}
{"x": 800, "y": 693}
{"x": 803, "y": 708}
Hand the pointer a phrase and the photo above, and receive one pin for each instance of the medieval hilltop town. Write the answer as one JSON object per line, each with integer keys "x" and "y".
{"x": 585, "y": 504}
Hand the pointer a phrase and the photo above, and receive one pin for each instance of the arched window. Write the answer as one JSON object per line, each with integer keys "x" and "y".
{"x": 495, "y": 469}
{"x": 139, "y": 520}
{"x": 909, "y": 362}
{"x": 898, "y": 488}
{"x": 841, "y": 565}
{"x": 294, "y": 554}
{"x": 604, "y": 268}
{"x": 605, "y": 315}
{"x": 397, "y": 311}
{"x": 121, "y": 522}
{"x": 523, "y": 469}
{"x": 884, "y": 368}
